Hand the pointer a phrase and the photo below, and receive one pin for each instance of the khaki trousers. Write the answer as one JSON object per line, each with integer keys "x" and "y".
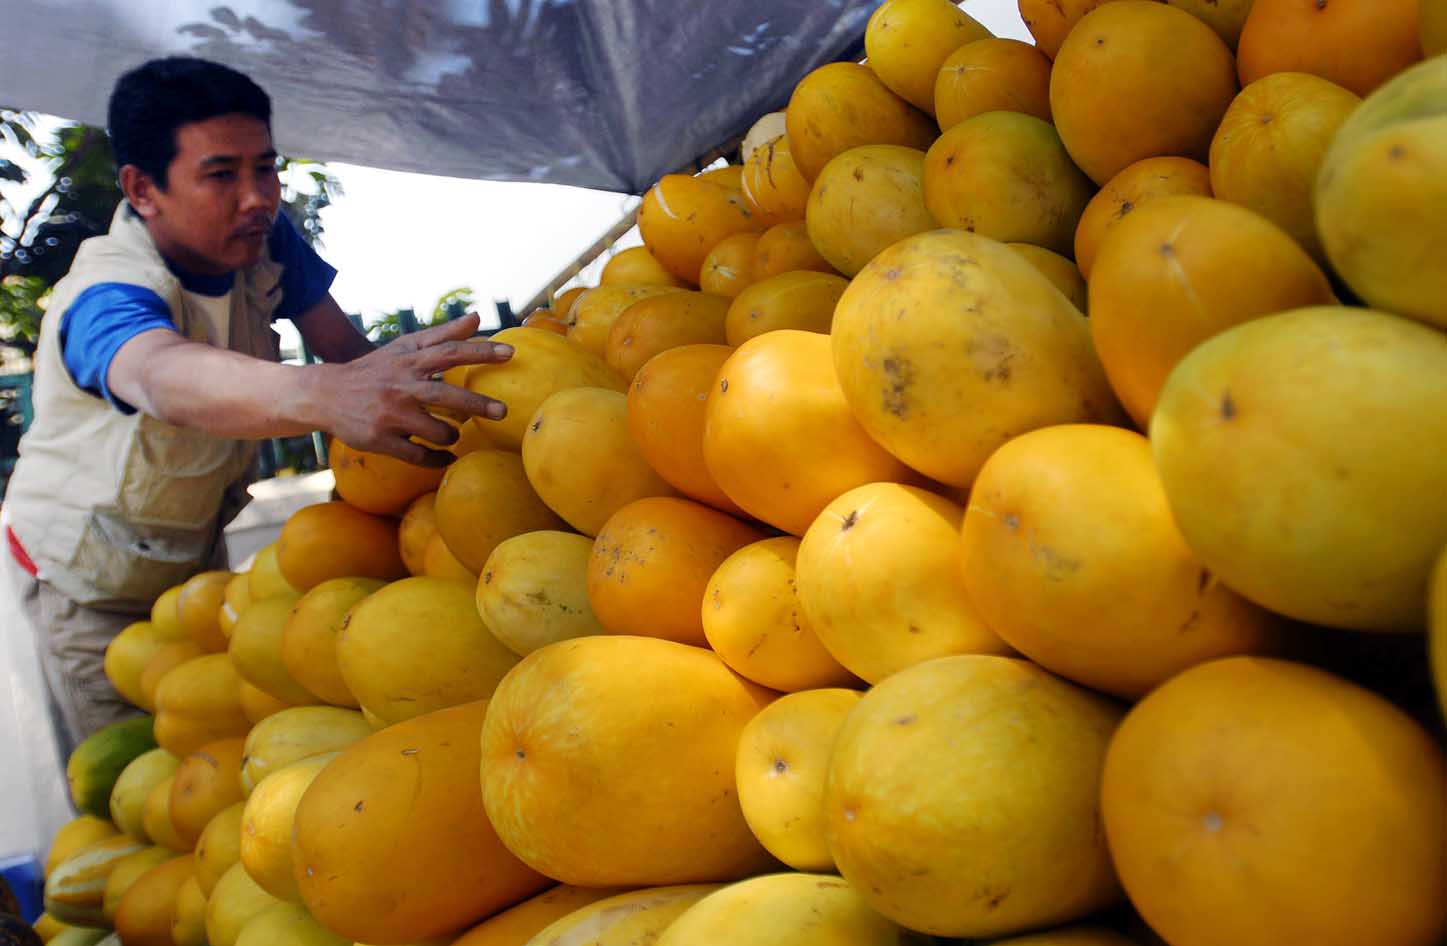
{"x": 71, "y": 640}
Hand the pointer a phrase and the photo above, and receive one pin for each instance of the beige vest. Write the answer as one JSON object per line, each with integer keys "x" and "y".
{"x": 115, "y": 508}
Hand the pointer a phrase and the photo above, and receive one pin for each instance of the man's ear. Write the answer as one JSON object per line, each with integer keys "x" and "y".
{"x": 140, "y": 190}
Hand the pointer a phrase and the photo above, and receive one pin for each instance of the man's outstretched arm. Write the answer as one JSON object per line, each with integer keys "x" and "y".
{"x": 374, "y": 402}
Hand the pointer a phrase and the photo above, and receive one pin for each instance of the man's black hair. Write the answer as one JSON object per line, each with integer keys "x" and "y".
{"x": 151, "y": 102}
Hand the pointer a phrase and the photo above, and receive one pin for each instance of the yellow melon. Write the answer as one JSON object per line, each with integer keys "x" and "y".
{"x": 1139, "y": 183}
{"x": 378, "y": 483}
{"x": 74, "y": 836}
{"x": 257, "y": 704}
{"x": 1226, "y": 17}
{"x": 1256, "y": 801}
{"x": 157, "y": 817}
{"x": 794, "y": 300}
{"x": 1062, "y": 273}
{"x": 906, "y": 42}
{"x": 585, "y": 780}
{"x": 653, "y": 326}
{"x": 781, "y": 767}
{"x": 1270, "y": 145}
{"x": 516, "y": 926}
{"x": 799, "y": 909}
{"x": 234, "y": 900}
{"x": 198, "y": 609}
{"x": 199, "y": 702}
{"x": 309, "y": 639}
{"x": 974, "y": 773}
{"x": 1284, "y": 488}
{"x": 267, "y": 822}
{"x": 295, "y": 734}
{"x": 533, "y": 591}
{"x": 392, "y": 844}
{"x": 439, "y": 562}
{"x": 127, "y": 871}
{"x": 625, "y": 919}
{"x": 287, "y": 923}
{"x": 592, "y": 318}
{"x": 843, "y": 105}
{"x": 219, "y": 847}
{"x": 564, "y": 300}
{"x": 1135, "y": 80}
{"x": 206, "y": 784}
{"x": 133, "y": 787}
{"x": 419, "y": 524}
{"x": 233, "y": 601}
{"x": 752, "y": 619}
{"x": 337, "y": 540}
{"x": 1071, "y": 555}
{"x": 879, "y": 580}
{"x": 485, "y": 498}
{"x": 265, "y": 578}
{"x": 779, "y": 437}
{"x": 949, "y": 344}
{"x": 542, "y": 363}
{"x": 652, "y": 561}
{"x": 1378, "y": 191}
{"x": 127, "y": 655}
{"x": 991, "y": 75}
{"x": 1005, "y": 175}
{"x": 255, "y": 650}
{"x": 682, "y": 218}
{"x": 772, "y": 184}
{"x": 418, "y": 645}
{"x": 786, "y": 248}
{"x": 866, "y": 199}
{"x": 581, "y": 459}
{"x": 165, "y": 616}
{"x": 188, "y": 923}
{"x": 634, "y": 266}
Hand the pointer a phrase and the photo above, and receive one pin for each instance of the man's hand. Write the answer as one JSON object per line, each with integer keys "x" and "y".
{"x": 379, "y": 401}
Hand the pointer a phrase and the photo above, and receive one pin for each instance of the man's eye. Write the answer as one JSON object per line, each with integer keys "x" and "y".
{"x": 222, "y": 175}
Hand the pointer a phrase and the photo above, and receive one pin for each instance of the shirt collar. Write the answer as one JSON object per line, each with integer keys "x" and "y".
{"x": 201, "y": 284}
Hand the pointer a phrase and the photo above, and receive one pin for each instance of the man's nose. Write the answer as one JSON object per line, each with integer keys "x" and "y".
{"x": 257, "y": 193}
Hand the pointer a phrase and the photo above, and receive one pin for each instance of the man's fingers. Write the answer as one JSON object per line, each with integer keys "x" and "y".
{"x": 436, "y": 359}
{"x": 437, "y": 394}
{"x": 413, "y": 453}
{"x": 456, "y": 330}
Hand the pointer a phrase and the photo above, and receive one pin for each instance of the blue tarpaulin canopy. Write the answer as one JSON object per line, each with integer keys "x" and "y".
{"x": 608, "y": 94}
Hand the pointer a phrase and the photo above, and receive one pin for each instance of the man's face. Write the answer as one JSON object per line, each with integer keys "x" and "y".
{"x": 221, "y": 196}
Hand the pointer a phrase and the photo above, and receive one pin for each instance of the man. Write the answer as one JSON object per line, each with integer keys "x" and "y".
{"x": 157, "y": 369}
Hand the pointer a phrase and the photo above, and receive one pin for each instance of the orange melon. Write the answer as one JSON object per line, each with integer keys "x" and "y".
{"x": 906, "y": 41}
{"x": 666, "y": 410}
{"x": 683, "y": 217}
{"x": 1135, "y": 80}
{"x": 991, "y": 75}
{"x": 485, "y": 498}
{"x": 1136, "y": 185}
{"x": 729, "y": 266}
{"x": 1358, "y": 44}
{"x": 651, "y": 563}
{"x": 1256, "y": 801}
{"x": 779, "y": 437}
{"x": 772, "y": 183}
{"x": 378, "y": 483}
{"x": 794, "y": 300}
{"x": 337, "y": 540}
{"x": 864, "y": 200}
{"x": 658, "y": 324}
{"x": 635, "y": 266}
{"x": 785, "y": 248}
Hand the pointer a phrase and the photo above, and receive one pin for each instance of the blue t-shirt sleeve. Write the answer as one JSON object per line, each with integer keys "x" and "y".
{"x": 305, "y": 276}
{"x": 101, "y": 320}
